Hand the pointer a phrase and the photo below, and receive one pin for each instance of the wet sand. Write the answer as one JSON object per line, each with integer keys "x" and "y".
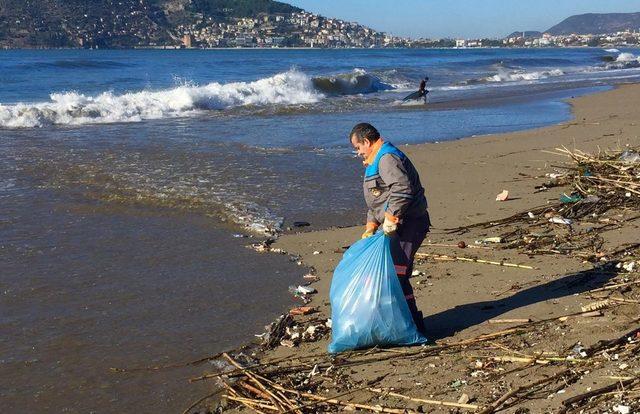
{"x": 462, "y": 179}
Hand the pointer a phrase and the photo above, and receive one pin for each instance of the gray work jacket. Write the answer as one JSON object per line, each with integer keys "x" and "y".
{"x": 396, "y": 190}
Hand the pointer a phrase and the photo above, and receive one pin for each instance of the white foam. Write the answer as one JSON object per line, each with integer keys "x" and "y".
{"x": 627, "y": 57}
{"x": 253, "y": 217}
{"x": 624, "y": 61}
{"x": 456, "y": 87}
{"x": 612, "y": 50}
{"x": 72, "y": 108}
{"x": 359, "y": 72}
{"x": 505, "y": 75}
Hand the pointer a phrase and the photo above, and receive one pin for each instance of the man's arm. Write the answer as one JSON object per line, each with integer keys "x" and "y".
{"x": 394, "y": 174}
{"x": 372, "y": 223}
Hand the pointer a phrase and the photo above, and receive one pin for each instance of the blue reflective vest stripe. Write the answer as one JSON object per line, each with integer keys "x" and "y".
{"x": 372, "y": 170}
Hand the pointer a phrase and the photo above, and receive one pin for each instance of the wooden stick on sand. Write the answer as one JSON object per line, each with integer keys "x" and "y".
{"x": 467, "y": 259}
{"x": 432, "y": 402}
{"x": 500, "y": 401}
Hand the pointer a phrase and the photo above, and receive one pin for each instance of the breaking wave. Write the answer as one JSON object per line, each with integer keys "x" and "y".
{"x": 72, "y": 108}
{"x": 624, "y": 61}
{"x": 507, "y": 75}
{"x": 626, "y": 57}
{"x": 356, "y": 82}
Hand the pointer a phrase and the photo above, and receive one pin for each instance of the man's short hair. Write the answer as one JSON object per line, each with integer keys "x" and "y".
{"x": 364, "y": 130}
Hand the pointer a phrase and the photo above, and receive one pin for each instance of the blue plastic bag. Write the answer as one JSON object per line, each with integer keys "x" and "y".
{"x": 368, "y": 307}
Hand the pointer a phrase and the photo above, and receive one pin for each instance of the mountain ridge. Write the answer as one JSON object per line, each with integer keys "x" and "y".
{"x": 596, "y": 23}
{"x": 116, "y": 23}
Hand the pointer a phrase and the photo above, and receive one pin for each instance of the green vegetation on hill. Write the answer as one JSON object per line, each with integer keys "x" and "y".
{"x": 240, "y": 8}
{"x": 114, "y": 23}
{"x": 73, "y": 23}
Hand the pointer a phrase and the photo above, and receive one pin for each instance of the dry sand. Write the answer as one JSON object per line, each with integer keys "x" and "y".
{"x": 462, "y": 179}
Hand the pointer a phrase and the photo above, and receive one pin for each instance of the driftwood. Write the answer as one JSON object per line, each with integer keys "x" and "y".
{"x": 615, "y": 286}
{"x": 278, "y": 402}
{"x": 597, "y": 183}
{"x": 420, "y": 400}
{"x": 593, "y": 393}
{"x": 318, "y": 401}
{"x": 494, "y": 321}
{"x": 513, "y": 393}
{"x": 374, "y": 408}
{"x": 511, "y": 219}
{"x": 468, "y": 259}
{"x": 260, "y": 387}
{"x": 601, "y": 345}
{"x": 466, "y": 246}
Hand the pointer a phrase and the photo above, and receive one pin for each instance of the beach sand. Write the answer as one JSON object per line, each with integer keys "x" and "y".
{"x": 462, "y": 179}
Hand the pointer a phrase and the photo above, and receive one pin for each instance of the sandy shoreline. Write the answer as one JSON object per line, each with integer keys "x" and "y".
{"x": 462, "y": 179}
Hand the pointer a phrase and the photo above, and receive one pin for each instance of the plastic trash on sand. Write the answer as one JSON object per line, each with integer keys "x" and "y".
{"x": 630, "y": 157}
{"x": 492, "y": 240}
{"x": 569, "y": 199}
{"x": 368, "y": 307}
{"x": 560, "y": 220}
{"x": 503, "y": 196}
{"x": 302, "y": 290}
{"x": 622, "y": 409}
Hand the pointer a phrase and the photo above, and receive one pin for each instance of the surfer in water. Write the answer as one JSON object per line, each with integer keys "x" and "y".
{"x": 423, "y": 88}
{"x": 420, "y": 94}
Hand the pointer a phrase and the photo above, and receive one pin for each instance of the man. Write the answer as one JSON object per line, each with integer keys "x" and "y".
{"x": 395, "y": 198}
{"x": 423, "y": 88}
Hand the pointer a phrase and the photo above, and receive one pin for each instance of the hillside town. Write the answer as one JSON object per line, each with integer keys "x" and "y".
{"x": 625, "y": 38}
{"x": 143, "y": 24}
{"x": 117, "y": 24}
{"x": 301, "y": 29}
{"x": 304, "y": 29}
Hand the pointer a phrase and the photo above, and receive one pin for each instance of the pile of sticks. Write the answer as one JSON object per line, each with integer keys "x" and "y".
{"x": 598, "y": 183}
{"x": 293, "y": 380}
{"x": 612, "y": 176}
{"x": 274, "y": 386}
{"x": 291, "y": 384}
{"x": 262, "y": 395}
{"x": 624, "y": 347}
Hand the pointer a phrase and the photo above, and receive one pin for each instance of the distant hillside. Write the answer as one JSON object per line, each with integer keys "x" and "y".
{"x": 240, "y": 8}
{"x": 115, "y": 23}
{"x": 597, "y": 23}
{"x": 527, "y": 34}
{"x": 184, "y": 11}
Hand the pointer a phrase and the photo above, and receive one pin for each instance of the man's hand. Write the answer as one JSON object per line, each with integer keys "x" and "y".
{"x": 389, "y": 226}
{"x": 367, "y": 233}
{"x": 370, "y": 229}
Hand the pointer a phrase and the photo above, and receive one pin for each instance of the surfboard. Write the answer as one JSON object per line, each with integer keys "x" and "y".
{"x": 413, "y": 97}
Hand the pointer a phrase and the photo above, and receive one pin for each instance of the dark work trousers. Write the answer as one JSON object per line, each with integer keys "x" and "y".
{"x": 404, "y": 245}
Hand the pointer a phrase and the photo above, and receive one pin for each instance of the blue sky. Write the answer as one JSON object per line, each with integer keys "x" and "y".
{"x": 461, "y": 18}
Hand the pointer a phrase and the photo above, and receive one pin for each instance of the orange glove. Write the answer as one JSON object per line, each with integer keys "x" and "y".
{"x": 370, "y": 230}
{"x": 390, "y": 224}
